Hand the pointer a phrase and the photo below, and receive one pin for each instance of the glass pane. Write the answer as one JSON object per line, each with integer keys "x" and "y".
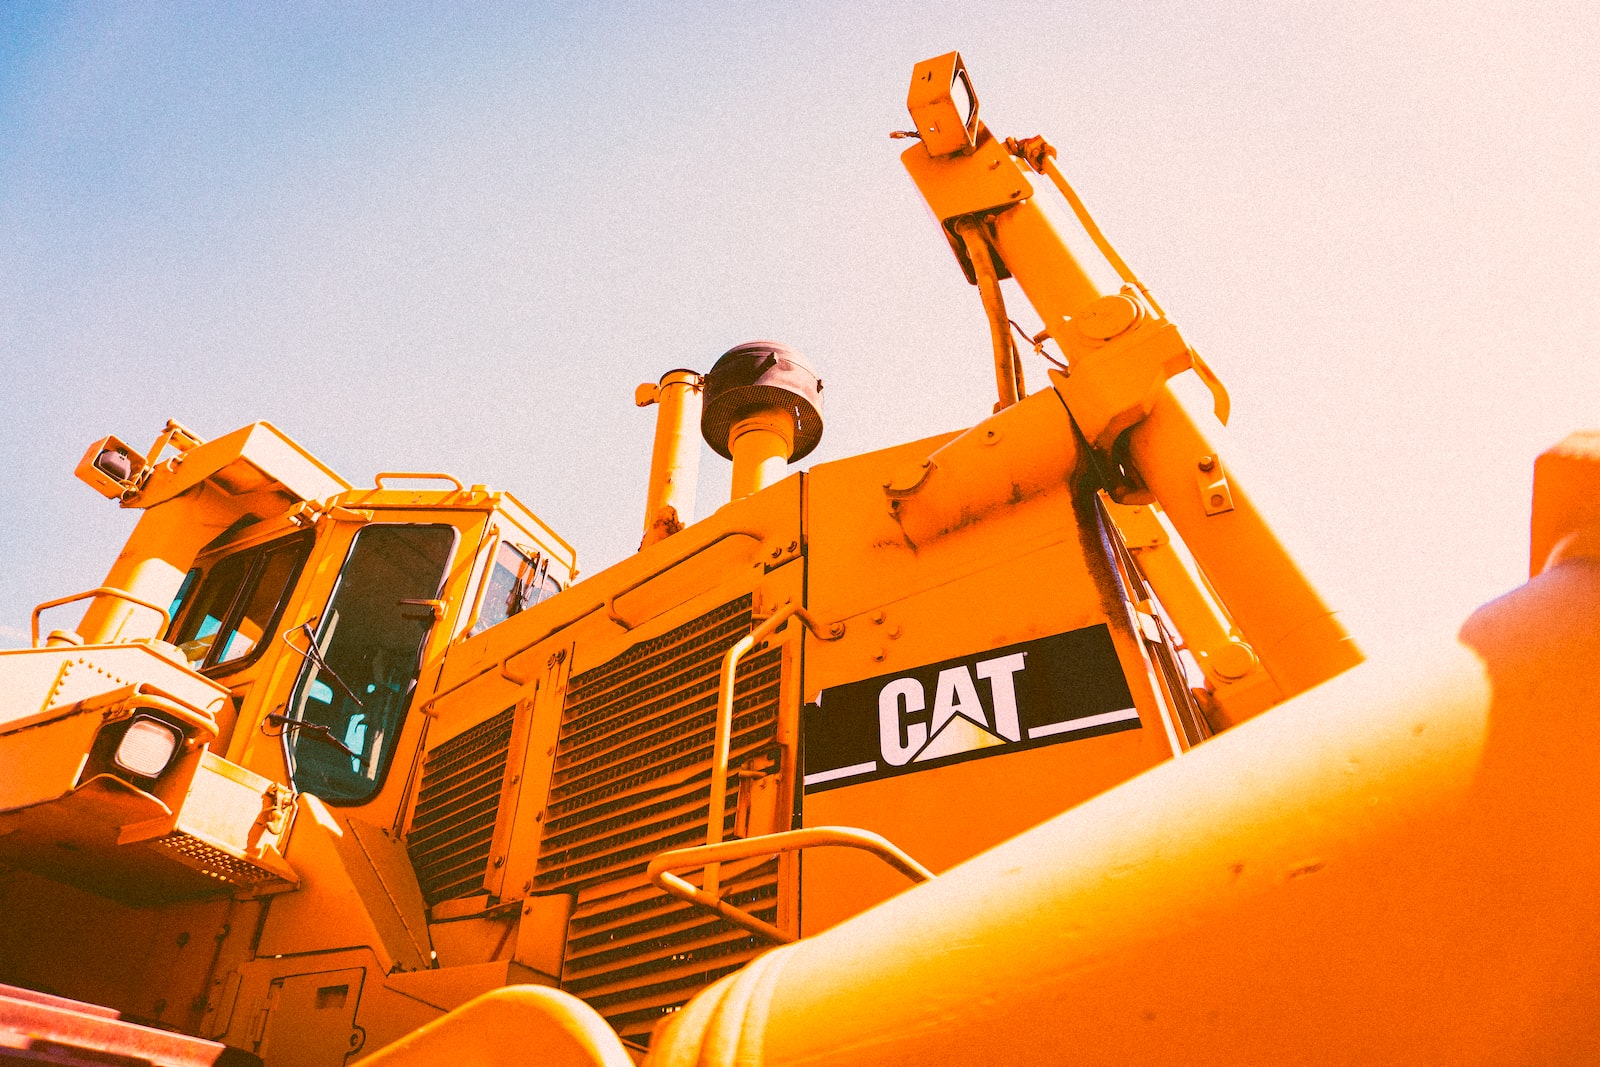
{"x": 357, "y": 680}
{"x": 961, "y": 94}
{"x": 273, "y": 580}
{"x": 516, "y": 581}
{"x": 181, "y": 599}
{"x": 216, "y": 596}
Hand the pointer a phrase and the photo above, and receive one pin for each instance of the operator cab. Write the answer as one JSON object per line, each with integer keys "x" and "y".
{"x": 320, "y": 622}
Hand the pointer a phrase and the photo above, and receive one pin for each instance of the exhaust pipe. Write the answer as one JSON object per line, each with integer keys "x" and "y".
{"x": 675, "y": 459}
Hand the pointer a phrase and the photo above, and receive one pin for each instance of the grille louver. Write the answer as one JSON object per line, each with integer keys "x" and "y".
{"x": 631, "y": 777}
{"x": 638, "y": 955}
{"x": 453, "y": 825}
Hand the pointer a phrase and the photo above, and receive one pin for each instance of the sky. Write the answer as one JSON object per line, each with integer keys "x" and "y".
{"x": 449, "y": 238}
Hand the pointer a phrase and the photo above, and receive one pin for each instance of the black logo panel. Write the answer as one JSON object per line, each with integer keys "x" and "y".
{"x": 1059, "y": 688}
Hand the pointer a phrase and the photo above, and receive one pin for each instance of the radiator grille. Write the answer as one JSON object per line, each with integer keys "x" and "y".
{"x": 631, "y": 777}
{"x": 453, "y": 825}
{"x": 638, "y": 955}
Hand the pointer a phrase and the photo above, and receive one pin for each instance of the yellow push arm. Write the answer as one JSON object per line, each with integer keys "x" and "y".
{"x": 1121, "y": 351}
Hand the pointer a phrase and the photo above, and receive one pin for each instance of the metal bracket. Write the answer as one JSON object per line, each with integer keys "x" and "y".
{"x": 1215, "y": 496}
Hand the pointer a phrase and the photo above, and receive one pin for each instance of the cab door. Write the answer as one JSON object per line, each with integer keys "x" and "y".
{"x": 362, "y": 657}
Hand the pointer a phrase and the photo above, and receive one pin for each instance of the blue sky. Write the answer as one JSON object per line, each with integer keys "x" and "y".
{"x": 428, "y": 238}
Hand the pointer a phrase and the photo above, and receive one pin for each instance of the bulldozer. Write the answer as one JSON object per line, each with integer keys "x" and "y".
{"x": 1024, "y": 743}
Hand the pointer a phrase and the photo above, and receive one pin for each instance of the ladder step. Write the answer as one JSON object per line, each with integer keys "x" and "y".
{"x": 45, "y": 1029}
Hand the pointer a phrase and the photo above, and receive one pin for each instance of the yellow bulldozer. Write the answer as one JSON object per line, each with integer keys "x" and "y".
{"x": 1027, "y": 743}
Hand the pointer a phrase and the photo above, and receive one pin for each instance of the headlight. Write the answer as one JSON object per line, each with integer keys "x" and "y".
{"x": 147, "y": 746}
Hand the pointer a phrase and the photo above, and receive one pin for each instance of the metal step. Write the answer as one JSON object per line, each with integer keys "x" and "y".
{"x": 37, "y": 1028}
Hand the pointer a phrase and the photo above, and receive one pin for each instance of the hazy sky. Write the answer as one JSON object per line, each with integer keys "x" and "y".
{"x": 420, "y": 238}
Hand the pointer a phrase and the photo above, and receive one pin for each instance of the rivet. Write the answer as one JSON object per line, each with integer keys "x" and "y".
{"x": 880, "y": 654}
{"x": 1208, "y": 463}
{"x": 878, "y": 617}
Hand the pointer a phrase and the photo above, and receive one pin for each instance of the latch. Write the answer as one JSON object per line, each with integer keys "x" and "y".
{"x": 436, "y": 607}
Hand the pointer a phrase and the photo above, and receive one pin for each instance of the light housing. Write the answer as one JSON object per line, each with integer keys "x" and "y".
{"x": 147, "y": 746}
{"x": 110, "y": 467}
{"x": 943, "y": 105}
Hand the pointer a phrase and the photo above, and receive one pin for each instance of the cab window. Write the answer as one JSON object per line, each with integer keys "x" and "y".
{"x": 362, "y": 659}
{"x": 519, "y": 579}
{"x": 238, "y": 602}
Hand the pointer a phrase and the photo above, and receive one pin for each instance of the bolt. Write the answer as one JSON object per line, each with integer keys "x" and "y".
{"x": 1208, "y": 463}
{"x": 793, "y": 545}
{"x": 527, "y": 887}
{"x": 499, "y": 861}
{"x": 776, "y": 552}
{"x": 878, "y": 617}
{"x": 994, "y": 164}
{"x": 1216, "y": 500}
{"x": 880, "y": 654}
{"x": 894, "y": 632}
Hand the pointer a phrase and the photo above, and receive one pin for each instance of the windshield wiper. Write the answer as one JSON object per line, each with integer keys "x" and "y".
{"x": 314, "y": 654}
{"x": 316, "y": 730}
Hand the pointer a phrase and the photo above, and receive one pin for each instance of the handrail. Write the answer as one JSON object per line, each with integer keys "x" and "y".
{"x": 144, "y": 699}
{"x": 104, "y": 590}
{"x": 709, "y": 856}
{"x": 129, "y": 698}
{"x": 724, "y": 734}
{"x": 611, "y": 601}
{"x": 608, "y": 605}
{"x": 377, "y": 479}
{"x": 483, "y": 583}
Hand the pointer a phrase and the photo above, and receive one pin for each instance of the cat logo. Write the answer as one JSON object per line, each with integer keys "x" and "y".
{"x": 1043, "y": 692}
{"x": 961, "y": 722}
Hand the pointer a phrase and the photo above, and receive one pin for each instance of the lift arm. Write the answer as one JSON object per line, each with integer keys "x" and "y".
{"x": 1121, "y": 352}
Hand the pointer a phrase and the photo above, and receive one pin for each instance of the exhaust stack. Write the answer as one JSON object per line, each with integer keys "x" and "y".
{"x": 675, "y": 459}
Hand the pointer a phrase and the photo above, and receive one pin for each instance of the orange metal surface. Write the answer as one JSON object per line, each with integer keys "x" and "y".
{"x": 1393, "y": 868}
{"x": 505, "y": 1026}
